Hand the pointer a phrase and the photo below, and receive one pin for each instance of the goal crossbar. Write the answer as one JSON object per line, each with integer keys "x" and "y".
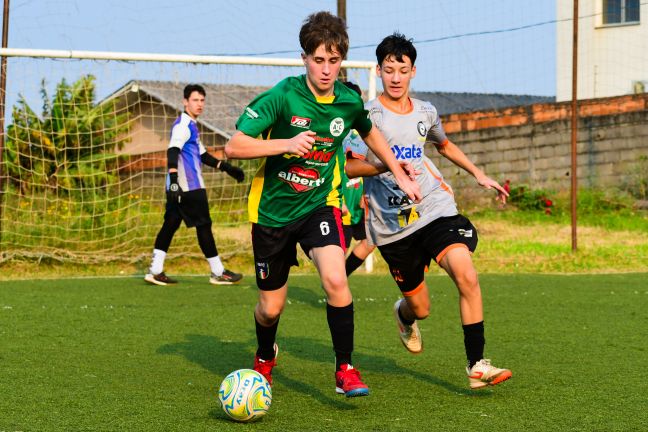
{"x": 182, "y": 58}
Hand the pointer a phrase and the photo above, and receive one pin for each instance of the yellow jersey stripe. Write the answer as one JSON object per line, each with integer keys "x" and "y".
{"x": 333, "y": 197}
{"x": 256, "y": 189}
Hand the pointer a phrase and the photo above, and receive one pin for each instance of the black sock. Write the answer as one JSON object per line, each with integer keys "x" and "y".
{"x": 403, "y": 319}
{"x": 266, "y": 339}
{"x": 474, "y": 342}
{"x": 352, "y": 263}
{"x": 340, "y": 321}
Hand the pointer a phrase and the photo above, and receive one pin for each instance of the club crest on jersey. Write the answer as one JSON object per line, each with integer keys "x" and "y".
{"x": 421, "y": 128}
{"x": 407, "y": 152}
{"x": 300, "y": 122}
{"x": 301, "y": 179}
{"x": 262, "y": 270}
{"x": 397, "y": 201}
{"x": 337, "y": 126}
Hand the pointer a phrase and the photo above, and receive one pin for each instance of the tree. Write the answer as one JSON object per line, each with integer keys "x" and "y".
{"x": 71, "y": 145}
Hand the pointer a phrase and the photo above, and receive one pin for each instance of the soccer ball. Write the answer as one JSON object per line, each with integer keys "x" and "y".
{"x": 245, "y": 395}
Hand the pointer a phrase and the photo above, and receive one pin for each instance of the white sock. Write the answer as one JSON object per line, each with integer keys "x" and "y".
{"x": 157, "y": 263}
{"x": 216, "y": 265}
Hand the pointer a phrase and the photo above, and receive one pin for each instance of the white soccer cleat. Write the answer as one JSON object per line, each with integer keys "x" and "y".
{"x": 410, "y": 335}
{"x": 483, "y": 374}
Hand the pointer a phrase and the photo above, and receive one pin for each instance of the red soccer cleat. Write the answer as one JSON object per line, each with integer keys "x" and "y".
{"x": 264, "y": 367}
{"x": 349, "y": 383}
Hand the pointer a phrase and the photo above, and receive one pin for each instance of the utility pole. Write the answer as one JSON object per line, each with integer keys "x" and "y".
{"x": 574, "y": 130}
{"x": 341, "y": 12}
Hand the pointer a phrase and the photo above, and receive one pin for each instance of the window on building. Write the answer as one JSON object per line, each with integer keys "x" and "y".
{"x": 620, "y": 11}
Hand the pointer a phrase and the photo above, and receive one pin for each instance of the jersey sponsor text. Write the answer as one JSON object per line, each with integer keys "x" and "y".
{"x": 301, "y": 179}
{"x": 407, "y": 152}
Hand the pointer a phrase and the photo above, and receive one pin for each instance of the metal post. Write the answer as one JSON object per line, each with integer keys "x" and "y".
{"x": 3, "y": 93}
{"x": 341, "y": 12}
{"x": 574, "y": 130}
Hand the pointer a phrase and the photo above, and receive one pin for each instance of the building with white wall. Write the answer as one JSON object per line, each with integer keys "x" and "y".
{"x": 612, "y": 48}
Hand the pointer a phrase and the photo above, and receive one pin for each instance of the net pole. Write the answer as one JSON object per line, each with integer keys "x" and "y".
{"x": 3, "y": 95}
{"x": 369, "y": 261}
{"x": 341, "y": 13}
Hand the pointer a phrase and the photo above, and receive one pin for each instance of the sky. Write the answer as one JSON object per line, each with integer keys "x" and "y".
{"x": 498, "y": 46}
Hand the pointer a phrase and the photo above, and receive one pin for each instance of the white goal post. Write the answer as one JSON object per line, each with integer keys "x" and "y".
{"x": 84, "y": 148}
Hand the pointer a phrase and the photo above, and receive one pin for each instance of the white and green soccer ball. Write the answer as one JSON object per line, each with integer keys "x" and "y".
{"x": 245, "y": 395}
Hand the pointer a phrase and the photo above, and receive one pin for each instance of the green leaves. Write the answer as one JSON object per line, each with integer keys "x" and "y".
{"x": 70, "y": 145}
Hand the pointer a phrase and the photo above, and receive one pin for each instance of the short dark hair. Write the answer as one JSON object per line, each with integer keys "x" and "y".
{"x": 353, "y": 86}
{"x": 396, "y": 45}
{"x": 193, "y": 88}
{"x": 324, "y": 28}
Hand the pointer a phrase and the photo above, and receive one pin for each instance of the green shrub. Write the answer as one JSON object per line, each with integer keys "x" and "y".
{"x": 531, "y": 199}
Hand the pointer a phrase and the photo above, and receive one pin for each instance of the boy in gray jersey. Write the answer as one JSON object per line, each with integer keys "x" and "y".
{"x": 409, "y": 235}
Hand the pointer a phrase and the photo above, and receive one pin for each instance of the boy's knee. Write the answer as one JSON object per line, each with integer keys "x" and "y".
{"x": 336, "y": 283}
{"x": 269, "y": 313}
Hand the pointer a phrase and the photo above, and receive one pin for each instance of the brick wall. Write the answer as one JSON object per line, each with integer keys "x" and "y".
{"x": 532, "y": 144}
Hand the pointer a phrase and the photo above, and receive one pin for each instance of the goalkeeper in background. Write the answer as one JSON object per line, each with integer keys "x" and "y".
{"x": 186, "y": 193}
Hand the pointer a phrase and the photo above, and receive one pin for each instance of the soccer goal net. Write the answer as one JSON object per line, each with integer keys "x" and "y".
{"x": 85, "y": 138}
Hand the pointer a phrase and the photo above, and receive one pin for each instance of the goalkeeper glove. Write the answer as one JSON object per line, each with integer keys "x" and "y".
{"x": 174, "y": 194}
{"x": 234, "y": 171}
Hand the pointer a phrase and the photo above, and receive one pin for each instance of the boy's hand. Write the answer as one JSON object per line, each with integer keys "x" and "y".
{"x": 234, "y": 171}
{"x": 301, "y": 143}
{"x": 174, "y": 194}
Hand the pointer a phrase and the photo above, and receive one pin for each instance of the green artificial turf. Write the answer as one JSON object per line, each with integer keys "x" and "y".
{"x": 117, "y": 354}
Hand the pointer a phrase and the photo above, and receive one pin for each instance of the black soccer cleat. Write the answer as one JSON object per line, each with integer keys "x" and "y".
{"x": 227, "y": 278}
{"x": 159, "y": 279}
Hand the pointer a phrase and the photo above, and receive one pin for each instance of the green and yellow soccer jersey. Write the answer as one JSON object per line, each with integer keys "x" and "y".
{"x": 288, "y": 187}
{"x": 353, "y": 192}
{"x": 352, "y": 189}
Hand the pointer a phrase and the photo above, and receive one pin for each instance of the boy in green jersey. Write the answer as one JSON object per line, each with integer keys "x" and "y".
{"x": 298, "y": 127}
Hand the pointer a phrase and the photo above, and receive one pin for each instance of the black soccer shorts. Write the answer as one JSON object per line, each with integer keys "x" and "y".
{"x": 193, "y": 208}
{"x": 356, "y": 231}
{"x": 409, "y": 257}
{"x": 275, "y": 249}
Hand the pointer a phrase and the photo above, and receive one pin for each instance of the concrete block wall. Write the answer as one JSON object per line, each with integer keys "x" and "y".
{"x": 532, "y": 145}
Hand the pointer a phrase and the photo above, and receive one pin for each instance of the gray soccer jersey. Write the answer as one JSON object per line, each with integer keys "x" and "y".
{"x": 392, "y": 215}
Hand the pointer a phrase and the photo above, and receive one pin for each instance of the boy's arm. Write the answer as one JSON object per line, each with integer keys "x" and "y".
{"x": 454, "y": 154}
{"x": 242, "y": 146}
{"x": 361, "y": 168}
{"x": 377, "y": 143}
{"x": 355, "y": 167}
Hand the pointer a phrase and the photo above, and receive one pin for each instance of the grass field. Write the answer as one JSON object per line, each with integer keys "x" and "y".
{"x": 116, "y": 354}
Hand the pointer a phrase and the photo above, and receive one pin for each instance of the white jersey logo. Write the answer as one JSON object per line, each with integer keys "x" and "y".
{"x": 465, "y": 233}
{"x": 337, "y": 126}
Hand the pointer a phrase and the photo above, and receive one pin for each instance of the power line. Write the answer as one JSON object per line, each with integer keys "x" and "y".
{"x": 433, "y": 40}
{"x": 418, "y": 42}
